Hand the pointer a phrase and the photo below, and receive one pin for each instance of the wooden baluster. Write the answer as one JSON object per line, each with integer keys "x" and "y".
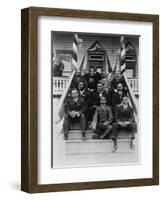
{"x": 65, "y": 81}
{"x": 131, "y": 84}
{"x": 134, "y": 86}
{"x": 53, "y": 86}
{"x": 58, "y": 86}
{"x": 62, "y": 89}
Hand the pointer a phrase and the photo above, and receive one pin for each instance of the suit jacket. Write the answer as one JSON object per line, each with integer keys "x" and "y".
{"x": 85, "y": 95}
{"x": 96, "y": 97}
{"x": 91, "y": 82}
{"x": 122, "y": 114}
{"x": 114, "y": 83}
{"x": 76, "y": 80}
{"x": 116, "y": 99}
{"x": 97, "y": 76}
{"x": 78, "y": 106}
{"x": 103, "y": 114}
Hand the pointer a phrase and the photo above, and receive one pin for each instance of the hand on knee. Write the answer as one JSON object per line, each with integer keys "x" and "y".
{"x": 82, "y": 115}
{"x": 115, "y": 125}
{"x": 109, "y": 127}
{"x": 66, "y": 115}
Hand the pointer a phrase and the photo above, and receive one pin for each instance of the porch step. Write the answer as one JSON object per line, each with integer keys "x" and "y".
{"x": 77, "y": 135}
{"x": 92, "y": 146}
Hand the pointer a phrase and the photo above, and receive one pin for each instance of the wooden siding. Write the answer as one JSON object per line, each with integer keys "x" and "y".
{"x": 63, "y": 41}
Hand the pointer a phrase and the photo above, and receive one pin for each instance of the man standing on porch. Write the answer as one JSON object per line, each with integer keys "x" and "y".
{"x": 58, "y": 66}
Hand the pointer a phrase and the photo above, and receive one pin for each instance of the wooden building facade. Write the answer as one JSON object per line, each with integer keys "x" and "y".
{"x": 95, "y": 49}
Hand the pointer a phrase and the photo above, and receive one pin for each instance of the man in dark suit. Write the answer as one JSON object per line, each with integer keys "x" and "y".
{"x": 97, "y": 74}
{"x": 118, "y": 95}
{"x": 58, "y": 67}
{"x": 102, "y": 120}
{"x": 85, "y": 74}
{"x": 124, "y": 119}
{"x": 94, "y": 100}
{"x": 75, "y": 112}
{"x": 83, "y": 91}
{"x": 98, "y": 94}
{"x": 105, "y": 82}
{"x": 91, "y": 81}
{"x": 85, "y": 94}
{"x": 116, "y": 80}
{"x": 77, "y": 78}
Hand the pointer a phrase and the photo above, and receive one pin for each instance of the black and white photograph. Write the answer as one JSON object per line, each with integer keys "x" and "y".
{"x": 90, "y": 99}
{"x": 95, "y": 99}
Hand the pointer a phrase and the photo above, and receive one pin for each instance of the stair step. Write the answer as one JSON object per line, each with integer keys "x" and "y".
{"x": 77, "y": 135}
{"x": 76, "y": 126}
{"x": 95, "y": 146}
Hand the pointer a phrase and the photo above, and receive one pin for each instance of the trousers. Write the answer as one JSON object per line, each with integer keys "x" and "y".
{"x": 103, "y": 130}
{"x": 68, "y": 120}
{"x": 131, "y": 129}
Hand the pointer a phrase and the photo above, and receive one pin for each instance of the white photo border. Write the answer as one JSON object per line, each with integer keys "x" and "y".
{"x": 48, "y": 175}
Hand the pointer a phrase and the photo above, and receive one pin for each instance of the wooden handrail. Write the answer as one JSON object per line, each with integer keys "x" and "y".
{"x": 62, "y": 100}
{"x": 131, "y": 95}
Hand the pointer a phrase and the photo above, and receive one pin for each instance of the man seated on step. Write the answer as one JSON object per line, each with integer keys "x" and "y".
{"x": 124, "y": 120}
{"x": 117, "y": 97}
{"x": 76, "y": 79}
{"x": 75, "y": 108}
{"x": 118, "y": 78}
{"x": 102, "y": 119}
{"x": 94, "y": 100}
{"x": 105, "y": 82}
{"x": 85, "y": 94}
{"x": 99, "y": 93}
{"x": 91, "y": 81}
{"x": 83, "y": 91}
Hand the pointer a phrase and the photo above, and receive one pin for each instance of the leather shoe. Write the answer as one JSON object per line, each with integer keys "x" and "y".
{"x": 65, "y": 136}
{"x": 83, "y": 137}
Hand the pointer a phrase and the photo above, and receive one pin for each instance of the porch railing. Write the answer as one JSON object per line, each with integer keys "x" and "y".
{"x": 132, "y": 97}
{"x": 59, "y": 85}
{"x": 60, "y": 109}
{"x": 134, "y": 84}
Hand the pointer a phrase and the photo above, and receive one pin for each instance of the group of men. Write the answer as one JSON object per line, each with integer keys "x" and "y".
{"x": 103, "y": 107}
